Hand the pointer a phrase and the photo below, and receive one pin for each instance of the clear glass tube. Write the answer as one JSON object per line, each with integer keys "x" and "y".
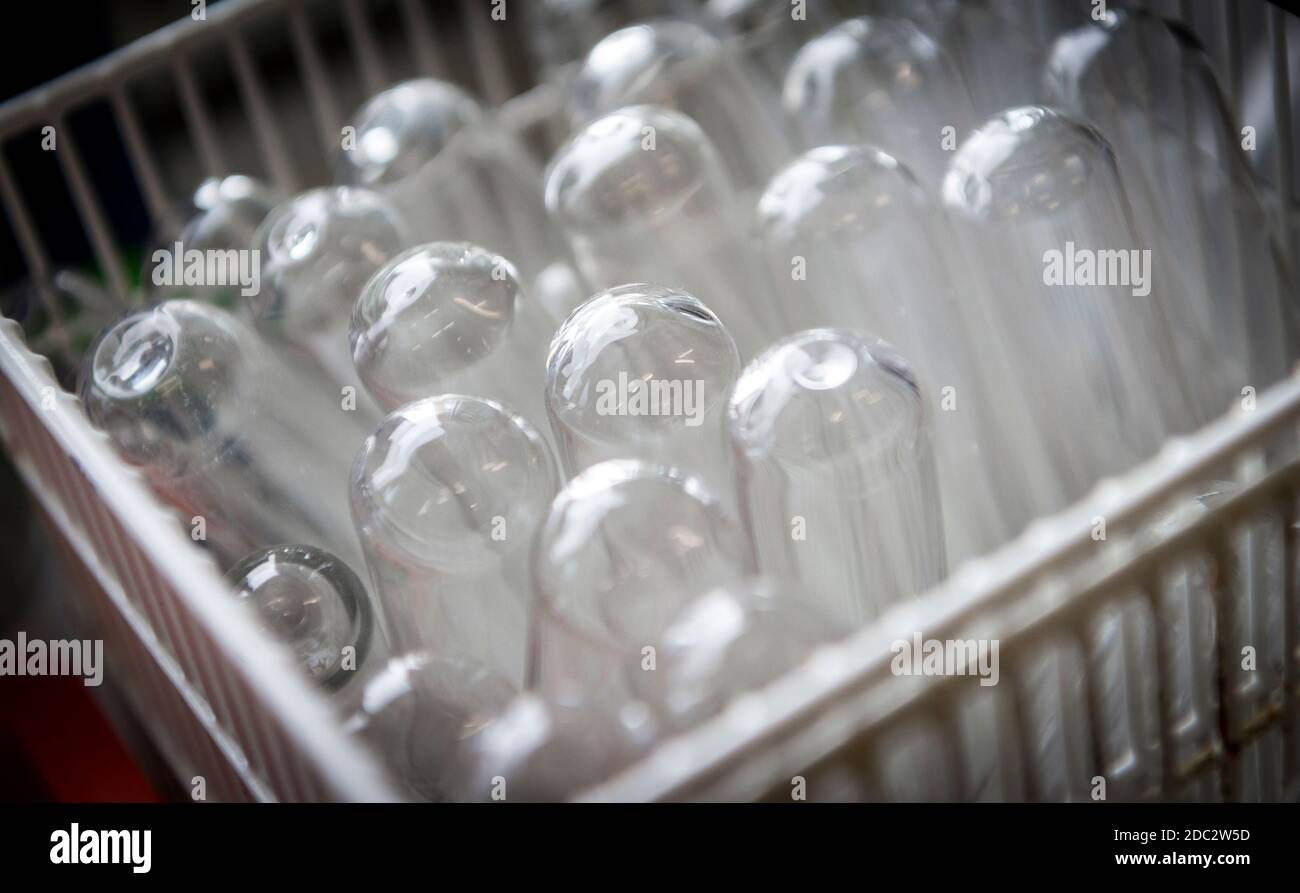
{"x": 835, "y": 473}
{"x": 643, "y": 197}
{"x": 642, "y": 372}
{"x": 1072, "y": 294}
{"x": 560, "y": 32}
{"x": 446, "y": 495}
{"x": 419, "y": 710}
{"x": 224, "y": 430}
{"x": 1152, "y": 91}
{"x": 317, "y": 251}
{"x": 625, "y": 544}
{"x": 456, "y": 176}
{"x": 729, "y": 640}
{"x": 681, "y": 65}
{"x": 859, "y": 245}
{"x": 541, "y": 749}
{"x": 768, "y": 35}
{"x": 315, "y": 604}
{"x": 223, "y": 215}
{"x": 450, "y": 317}
{"x": 885, "y": 82}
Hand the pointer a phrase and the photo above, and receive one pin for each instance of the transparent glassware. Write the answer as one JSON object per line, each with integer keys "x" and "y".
{"x": 1039, "y": 202}
{"x": 315, "y": 604}
{"x": 999, "y": 57}
{"x": 446, "y": 495}
{"x": 881, "y": 81}
{"x": 642, "y": 196}
{"x": 419, "y": 710}
{"x": 859, "y": 244}
{"x": 768, "y": 35}
{"x": 681, "y": 65}
{"x": 1149, "y": 86}
{"x": 732, "y": 639}
{"x": 642, "y": 372}
{"x": 450, "y": 317}
{"x": 252, "y": 452}
{"x": 223, "y": 214}
{"x": 454, "y": 175}
{"x": 543, "y": 749}
{"x": 625, "y": 544}
{"x": 401, "y": 129}
{"x": 317, "y": 251}
{"x": 835, "y": 473}
{"x": 560, "y": 32}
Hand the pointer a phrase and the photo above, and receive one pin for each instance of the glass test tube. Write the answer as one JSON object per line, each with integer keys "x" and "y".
{"x": 450, "y": 317}
{"x": 456, "y": 175}
{"x": 1151, "y": 89}
{"x": 835, "y": 473}
{"x": 1038, "y": 199}
{"x": 680, "y": 65}
{"x": 884, "y": 82}
{"x": 858, "y": 244}
{"x": 624, "y": 545}
{"x": 541, "y": 749}
{"x": 446, "y": 495}
{"x": 643, "y": 197}
{"x": 223, "y": 215}
{"x": 224, "y": 430}
{"x": 729, "y": 640}
{"x": 315, "y": 604}
{"x": 318, "y": 249}
{"x": 419, "y": 710}
{"x": 642, "y": 372}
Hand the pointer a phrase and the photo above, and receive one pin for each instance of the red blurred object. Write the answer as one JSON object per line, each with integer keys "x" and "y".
{"x": 56, "y": 745}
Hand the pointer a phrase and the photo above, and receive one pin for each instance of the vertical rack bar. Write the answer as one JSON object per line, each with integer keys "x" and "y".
{"x": 142, "y": 160}
{"x": 313, "y": 73}
{"x": 197, "y": 118}
{"x": 92, "y": 217}
{"x": 423, "y": 43}
{"x": 363, "y": 42}
{"x": 264, "y": 127}
{"x": 1282, "y": 118}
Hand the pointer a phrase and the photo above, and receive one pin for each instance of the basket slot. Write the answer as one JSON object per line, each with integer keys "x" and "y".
{"x": 312, "y": 69}
{"x": 365, "y": 47}
{"x": 423, "y": 47}
{"x": 265, "y": 131}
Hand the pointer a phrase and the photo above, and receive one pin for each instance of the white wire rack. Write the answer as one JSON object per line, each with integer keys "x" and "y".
{"x": 222, "y": 700}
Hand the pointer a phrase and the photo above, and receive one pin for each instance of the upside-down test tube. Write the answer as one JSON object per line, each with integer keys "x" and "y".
{"x": 446, "y": 495}
{"x": 642, "y": 372}
{"x": 317, "y": 251}
{"x": 560, "y": 32}
{"x": 643, "y": 197}
{"x": 768, "y": 35}
{"x": 835, "y": 473}
{"x": 1072, "y": 294}
{"x": 885, "y": 82}
{"x": 730, "y": 639}
{"x": 450, "y": 318}
{"x": 860, "y": 245}
{"x": 255, "y": 453}
{"x": 625, "y": 544}
{"x": 456, "y": 175}
{"x": 315, "y": 604}
{"x": 419, "y": 710}
{"x": 223, "y": 215}
{"x": 1150, "y": 88}
{"x": 546, "y": 749}
{"x": 680, "y": 65}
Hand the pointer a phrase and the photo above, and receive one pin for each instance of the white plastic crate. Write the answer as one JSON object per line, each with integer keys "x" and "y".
{"x": 223, "y": 702}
